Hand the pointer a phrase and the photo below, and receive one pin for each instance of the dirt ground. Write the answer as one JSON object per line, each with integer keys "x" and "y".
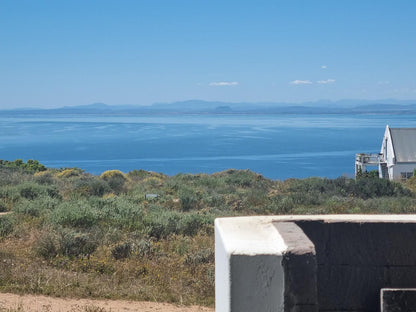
{"x": 26, "y": 303}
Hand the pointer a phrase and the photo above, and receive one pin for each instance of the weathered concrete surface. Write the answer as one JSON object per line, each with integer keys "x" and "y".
{"x": 248, "y": 271}
{"x": 356, "y": 260}
{"x": 356, "y": 256}
{"x": 398, "y": 300}
{"x": 300, "y": 269}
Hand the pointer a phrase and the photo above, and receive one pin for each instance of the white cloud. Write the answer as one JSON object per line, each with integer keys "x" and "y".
{"x": 326, "y": 81}
{"x": 324, "y": 67}
{"x": 299, "y": 82}
{"x": 223, "y": 83}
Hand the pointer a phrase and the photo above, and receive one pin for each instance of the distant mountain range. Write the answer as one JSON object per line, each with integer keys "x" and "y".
{"x": 389, "y": 106}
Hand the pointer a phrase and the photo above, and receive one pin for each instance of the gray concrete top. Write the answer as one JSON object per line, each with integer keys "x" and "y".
{"x": 250, "y": 236}
{"x": 358, "y": 218}
{"x": 255, "y": 235}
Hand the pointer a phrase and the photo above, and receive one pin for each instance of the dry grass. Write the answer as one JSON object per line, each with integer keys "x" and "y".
{"x": 168, "y": 274}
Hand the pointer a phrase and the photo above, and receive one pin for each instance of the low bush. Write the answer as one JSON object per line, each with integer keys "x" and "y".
{"x": 70, "y": 172}
{"x": 36, "y": 207}
{"x": 43, "y": 177}
{"x": 144, "y": 248}
{"x": 115, "y": 179}
{"x": 46, "y": 246}
{"x": 32, "y": 190}
{"x": 73, "y": 243}
{"x": 7, "y": 223}
{"x": 77, "y": 213}
{"x": 188, "y": 198}
{"x": 121, "y": 251}
{"x": 201, "y": 256}
{"x": 91, "y": 186}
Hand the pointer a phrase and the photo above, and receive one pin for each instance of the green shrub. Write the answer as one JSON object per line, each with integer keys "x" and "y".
{"x": 9, "y": 194}
{"x": 31, "y": 190}
{"x": 121, "y": 212}
{"x": 70, "y": 172}
{"x": 7, "y": 223}
{"x": 144, "y": 248}
{"x": 191, "y": 224}
{"x": 91, "y": 186}
{"x": 369, "y": 187}
{"x": 161, "y": 223}
{"x": 36, "y": 207}
{"x": 281, "y": 204}
{"x": 43, "y": 177}
{"x": 201, "y": 256}
{"x": 46, "y": 246}
{"x": 115, "y": 179}
{"x": 3, "y": 206}
{"x": 77, "y": 213}
{"x": 242, "y": 178}
{"x": 30, "y": 166}
{"x": 74, "y": 244}
{"x": 188, "y": 199}
{"x": 121, "y": 251}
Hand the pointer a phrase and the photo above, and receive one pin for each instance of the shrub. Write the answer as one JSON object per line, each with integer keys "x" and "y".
{"x": 31, "y": 190}
{"x": 71, "y": 242}
{"x": 90, "y": 186}
{"x": 77, "y": 213}
{"x": 3, "y": 206}
{"x": 6, "y": 225}
{"x": 70, "y": 172}
{"x": 144, "y": 248}
{"x": 281, "y": 204}
{"x": 36, "y": 207}
{"x": 188, "y": 199}
{"x": 121, "y": 212}
{"x": 160, "y": 223}
{"x": 369, "y": 187}
{"x": 191, "y": 224}
{"x": 115, "y": 179}
{"x": 121, "y": 251}
{"x": 30, "y": 166}
{"x": 75, "y": 244}
{"x": 46, "y": 246}
{"x": 242, "y": 178}
{"x": 201, "y": 256}
{"x": 43, "y": 177}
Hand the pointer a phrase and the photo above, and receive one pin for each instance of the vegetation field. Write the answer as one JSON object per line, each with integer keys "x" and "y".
{"x": 147, "y": 236}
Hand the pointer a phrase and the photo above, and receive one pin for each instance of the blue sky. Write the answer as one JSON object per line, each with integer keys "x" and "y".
{"x": 57, "y": 53}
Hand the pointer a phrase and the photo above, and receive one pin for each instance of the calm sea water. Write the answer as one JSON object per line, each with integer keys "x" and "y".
{"x": 277, "y": 146}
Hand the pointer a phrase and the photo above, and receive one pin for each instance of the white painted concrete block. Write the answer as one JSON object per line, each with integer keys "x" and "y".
{"x": 248, "y": 265}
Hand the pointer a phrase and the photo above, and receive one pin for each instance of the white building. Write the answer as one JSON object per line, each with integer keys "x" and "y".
{"x": 397, "y": 157}
{"x": 398, "y": 153}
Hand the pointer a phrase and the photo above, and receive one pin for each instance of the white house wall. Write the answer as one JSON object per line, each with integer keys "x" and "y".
{"x": 387, "y": 148}
{"x": 397, "y": 169}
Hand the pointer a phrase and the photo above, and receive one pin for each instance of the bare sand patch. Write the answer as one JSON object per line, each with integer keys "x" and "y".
{"x": 29, "y": 303}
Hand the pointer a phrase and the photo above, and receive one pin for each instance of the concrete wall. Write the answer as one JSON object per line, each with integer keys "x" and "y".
{"x": 356, "y": 260}
{"x": 312, "y": 263}
{"x": 248, "y": 266}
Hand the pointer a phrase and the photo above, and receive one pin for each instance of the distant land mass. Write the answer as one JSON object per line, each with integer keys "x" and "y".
{"x": 388, "y": 106}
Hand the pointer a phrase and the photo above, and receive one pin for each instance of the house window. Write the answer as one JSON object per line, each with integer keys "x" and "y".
{"x": 405, "y": 175}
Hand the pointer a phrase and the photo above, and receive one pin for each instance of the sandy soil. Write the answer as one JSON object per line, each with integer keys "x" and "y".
{"x": 45, "y": 304}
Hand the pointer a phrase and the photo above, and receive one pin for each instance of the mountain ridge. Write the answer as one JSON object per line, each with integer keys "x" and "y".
{"x": 389, "y": 106}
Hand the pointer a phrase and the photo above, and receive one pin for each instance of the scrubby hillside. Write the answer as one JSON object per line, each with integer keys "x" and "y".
{"x": 70, "y": 233}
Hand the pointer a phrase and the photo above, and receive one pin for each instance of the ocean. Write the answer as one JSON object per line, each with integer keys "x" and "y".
{"x": 276, "y": 146}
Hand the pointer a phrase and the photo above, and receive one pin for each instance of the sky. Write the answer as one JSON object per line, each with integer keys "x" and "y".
{"x": 65, "y": 53}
